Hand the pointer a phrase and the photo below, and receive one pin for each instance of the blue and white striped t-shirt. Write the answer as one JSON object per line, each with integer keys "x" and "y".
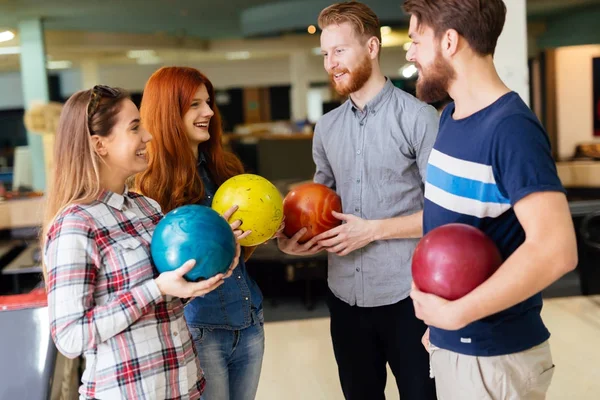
{"x": 479, "y": 168}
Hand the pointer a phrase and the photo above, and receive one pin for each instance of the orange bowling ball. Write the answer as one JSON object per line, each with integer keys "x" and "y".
{"x": 309, "y": 206}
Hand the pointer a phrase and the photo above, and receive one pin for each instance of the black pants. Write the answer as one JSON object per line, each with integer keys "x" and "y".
{"x": 365, "y": 339}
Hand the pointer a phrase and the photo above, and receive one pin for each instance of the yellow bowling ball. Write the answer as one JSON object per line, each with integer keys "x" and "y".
{"x": 260, "y": 206}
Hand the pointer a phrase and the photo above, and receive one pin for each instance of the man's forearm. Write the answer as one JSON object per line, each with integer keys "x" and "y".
{"x": 404, "y": 227}
{"x": 529, "y": 270}
{"x": 549, "y": 251}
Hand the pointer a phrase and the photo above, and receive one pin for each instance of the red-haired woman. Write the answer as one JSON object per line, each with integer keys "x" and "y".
{"x": 187, "y": 164}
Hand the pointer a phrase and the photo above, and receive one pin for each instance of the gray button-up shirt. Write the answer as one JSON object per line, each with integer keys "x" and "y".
{"x": 376, "y": 160}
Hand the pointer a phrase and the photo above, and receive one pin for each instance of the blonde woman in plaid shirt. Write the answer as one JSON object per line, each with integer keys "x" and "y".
{"x": 104, "y": 298}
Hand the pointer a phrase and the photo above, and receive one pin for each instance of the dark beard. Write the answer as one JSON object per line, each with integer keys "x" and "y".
{"x": 358, "y": 78}
{"x": 433, "y": 84}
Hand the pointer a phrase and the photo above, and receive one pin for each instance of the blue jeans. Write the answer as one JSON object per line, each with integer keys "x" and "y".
{"x": 231, "y": 361}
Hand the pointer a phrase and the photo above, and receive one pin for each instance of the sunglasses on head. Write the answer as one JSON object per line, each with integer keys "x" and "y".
{"x": 98, "y": 92}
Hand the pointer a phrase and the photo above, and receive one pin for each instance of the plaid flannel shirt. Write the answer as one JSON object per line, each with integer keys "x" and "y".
{"x": 104, "y": 303}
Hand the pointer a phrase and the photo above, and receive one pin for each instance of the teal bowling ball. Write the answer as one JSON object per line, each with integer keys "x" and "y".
{"x": 193, "y": 232}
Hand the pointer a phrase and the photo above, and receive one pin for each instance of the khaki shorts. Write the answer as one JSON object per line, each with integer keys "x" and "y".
{"x": 519, "y": 376}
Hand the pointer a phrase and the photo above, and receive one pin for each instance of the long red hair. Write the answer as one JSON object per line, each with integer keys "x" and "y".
{"x": 171, "y": 177}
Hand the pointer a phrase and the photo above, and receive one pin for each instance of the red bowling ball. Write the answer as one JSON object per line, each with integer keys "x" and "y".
{"x": 453, "y": 259}
{"x": 309, "y": 206}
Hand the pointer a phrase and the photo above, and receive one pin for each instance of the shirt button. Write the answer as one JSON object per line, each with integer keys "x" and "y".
{"x": 357, "y": 151}
{"x": 357, "y": 269}
{"x": 361, "y": 123}
{"x": 358, "y": 180}
{"x": 174, "y": 333}
{"x": 357, "y": 209}
{"x": 239, "y": 277}
{"x": 246, "y": 298}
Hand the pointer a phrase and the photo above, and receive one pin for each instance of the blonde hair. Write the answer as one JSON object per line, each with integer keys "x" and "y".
{"x": 75, "y": 178}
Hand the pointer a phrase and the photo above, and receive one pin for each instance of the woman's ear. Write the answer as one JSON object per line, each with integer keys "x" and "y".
{"x": 99, "y": 145}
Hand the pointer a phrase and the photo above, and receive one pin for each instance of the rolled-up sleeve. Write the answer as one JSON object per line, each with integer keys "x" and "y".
{"x": 323, "y": 173}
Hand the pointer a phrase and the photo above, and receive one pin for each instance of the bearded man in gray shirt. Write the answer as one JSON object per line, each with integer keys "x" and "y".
{"x": 373, "y": 151}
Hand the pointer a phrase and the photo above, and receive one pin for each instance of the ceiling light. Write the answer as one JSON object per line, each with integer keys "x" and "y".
{"x": 10, "y": 50}
{"x": 59, "y": 64}
{"x": 408, "y": 71}
{"x": 406, "y": 46}
{"x": 141, "y": 53}
{"x": 6, "y": 36}
{"x": 312, "y": 29}
{"x": 386, "y": 30}
{"x": 238, "y": 55}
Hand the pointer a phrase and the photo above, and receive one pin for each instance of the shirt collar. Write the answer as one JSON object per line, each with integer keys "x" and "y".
{"x": 374, "y": 104}
{"x": 113, "y": 199}
{"x": 201, "y": 158}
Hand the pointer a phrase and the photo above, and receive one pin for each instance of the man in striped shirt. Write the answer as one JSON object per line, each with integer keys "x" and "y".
{"x": 491, "y": 168}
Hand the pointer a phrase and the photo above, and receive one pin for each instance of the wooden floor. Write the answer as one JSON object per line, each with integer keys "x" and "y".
{"x": 299, "y": 362}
